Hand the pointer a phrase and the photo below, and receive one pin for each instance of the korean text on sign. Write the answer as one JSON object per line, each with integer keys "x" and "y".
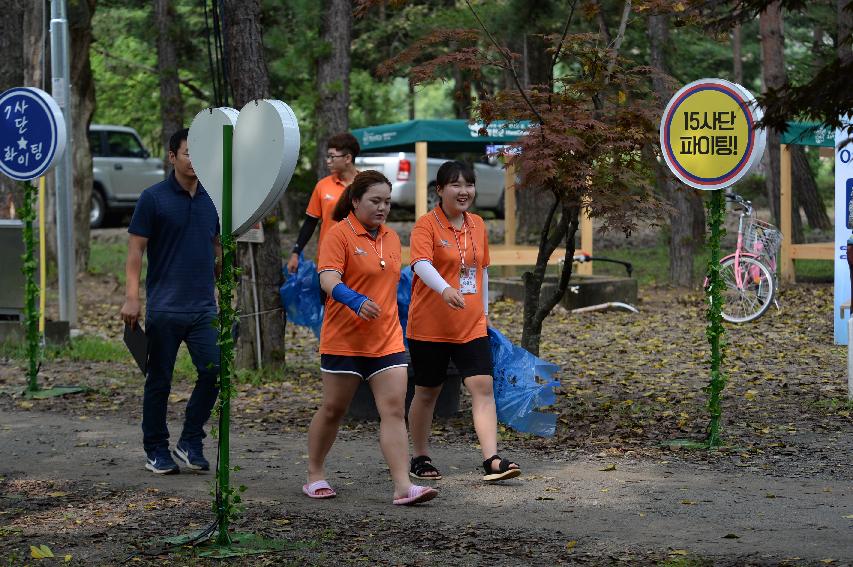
{"x": 717, "y": 142}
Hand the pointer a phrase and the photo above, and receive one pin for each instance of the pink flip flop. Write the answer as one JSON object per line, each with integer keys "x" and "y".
{"x": 416, "y": 495}
{"x": 311, "y": 490}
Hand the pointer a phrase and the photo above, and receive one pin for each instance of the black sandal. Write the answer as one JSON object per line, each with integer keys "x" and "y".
{"x": 421, "y": 465}
{"x": 504, "y": 470}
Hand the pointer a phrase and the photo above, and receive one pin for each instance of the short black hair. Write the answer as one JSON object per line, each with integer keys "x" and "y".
{"x": 451, "y": 171}
{"x": 344, "y": 142}
{"x": 177, "y": 138}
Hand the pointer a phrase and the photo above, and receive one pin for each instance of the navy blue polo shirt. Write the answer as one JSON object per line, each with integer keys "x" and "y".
{"x": 180, "y": 230}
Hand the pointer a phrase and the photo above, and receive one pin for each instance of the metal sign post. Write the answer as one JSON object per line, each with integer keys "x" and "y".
{"x": 226, "y": 321}
{"x": 60, "y": 69}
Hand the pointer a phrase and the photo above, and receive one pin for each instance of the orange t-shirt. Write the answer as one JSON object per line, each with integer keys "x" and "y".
{"x": 352, "y": 252}
{"x": 322, "y": 204}
{"x": 435, "y": 239}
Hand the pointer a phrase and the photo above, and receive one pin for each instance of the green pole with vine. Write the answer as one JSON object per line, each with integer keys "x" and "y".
{"x": 715, "y": 330}
{"x": 225, "y": 283}
{"x": 31, "y": 289}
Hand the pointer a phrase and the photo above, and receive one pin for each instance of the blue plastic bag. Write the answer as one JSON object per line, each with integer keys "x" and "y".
{"x": 404, "y": 298}
{"x": 300, "y": 296}
{"x": 523, "y": 383}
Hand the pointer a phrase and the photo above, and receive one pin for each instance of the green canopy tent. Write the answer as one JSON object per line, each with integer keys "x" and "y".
{"x": 440, "y": 136}
{"x": 801, "y": 134}
{"x": 443, "y": 136}
{"x": 456, "y": 136}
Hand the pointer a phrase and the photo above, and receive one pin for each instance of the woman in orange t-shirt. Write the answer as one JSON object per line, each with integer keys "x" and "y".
{"x": 447, "y": 319}
{"x": 361, "y": 337}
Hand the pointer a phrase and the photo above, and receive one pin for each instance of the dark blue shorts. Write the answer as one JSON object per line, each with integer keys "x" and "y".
{"x": 365, "y": 367}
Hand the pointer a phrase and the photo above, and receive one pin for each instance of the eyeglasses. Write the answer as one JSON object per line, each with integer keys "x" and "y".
{"x": 333, "y": 156}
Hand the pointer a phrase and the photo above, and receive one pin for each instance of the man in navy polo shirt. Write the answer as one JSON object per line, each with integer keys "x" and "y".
{"x": 177, "y": 223}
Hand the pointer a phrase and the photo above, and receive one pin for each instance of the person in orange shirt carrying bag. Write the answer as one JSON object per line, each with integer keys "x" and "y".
{"x": 447, "y": 319}
{"x": 361, "y": 338}
{"x": 340, "y": 157}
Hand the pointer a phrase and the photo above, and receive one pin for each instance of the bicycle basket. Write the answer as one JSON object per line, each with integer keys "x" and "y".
{"x": 763, "y": 239}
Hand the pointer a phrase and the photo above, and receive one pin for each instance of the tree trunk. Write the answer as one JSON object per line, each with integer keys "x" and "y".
{"x": 249, "y": 80}
{"x": 411, "y": 100}
{"x": 171, "y": 103}
{"x": 36, "y": 70}
{"x": 11, "y": 75}
{"x": 532, "y": 203}
{"x": 845, "y": 26}
{"x": 561, "y": 225}
{"x": 773, "y": 74}
{"x": 806, "y": 189}
{"x": 461, "y": 94}
{"x": 82, "y": 108}
{"x": 333, "y": 69}
{"x": 737, "y": 55}
{"x": 687, "y": 219}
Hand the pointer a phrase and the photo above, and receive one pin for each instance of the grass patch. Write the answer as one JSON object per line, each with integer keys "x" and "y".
{"x": 651, "y": 265}
{"x": 686, "y": 562}
{"x": 110, "y": 259}
{"x": 92, "y": 349}
{"x": 96, "y": 349}
{"x": 833, "y": 405}
{"x": 814, "y": 270}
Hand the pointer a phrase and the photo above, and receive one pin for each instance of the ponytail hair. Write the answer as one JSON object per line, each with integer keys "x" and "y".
{"x": 356, "y": 190}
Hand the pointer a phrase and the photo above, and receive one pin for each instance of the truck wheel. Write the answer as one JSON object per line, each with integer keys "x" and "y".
{"x": 98, "y": 212}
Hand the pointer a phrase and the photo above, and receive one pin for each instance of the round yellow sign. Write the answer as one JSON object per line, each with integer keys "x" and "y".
{"x": 708, "y": 134}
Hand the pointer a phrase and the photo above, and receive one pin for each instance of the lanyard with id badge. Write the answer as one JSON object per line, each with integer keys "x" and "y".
{"x": 467, "y": 274}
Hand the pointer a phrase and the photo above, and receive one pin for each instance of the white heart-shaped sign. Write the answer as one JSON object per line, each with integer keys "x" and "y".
{"x": 264, "y": 153}
{"x": 205, "y": 146}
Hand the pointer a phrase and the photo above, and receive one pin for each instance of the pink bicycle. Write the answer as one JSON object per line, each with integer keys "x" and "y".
{"x": 749, "y": 274}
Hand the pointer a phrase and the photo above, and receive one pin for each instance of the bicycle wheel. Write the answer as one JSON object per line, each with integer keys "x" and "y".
{"x": 750, "y": 301}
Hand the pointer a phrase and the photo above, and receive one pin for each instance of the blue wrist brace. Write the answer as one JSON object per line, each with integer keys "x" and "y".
{"x": 352, "y": 299}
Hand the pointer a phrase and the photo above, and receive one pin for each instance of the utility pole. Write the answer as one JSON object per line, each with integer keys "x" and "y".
{"x": 60, "y": 50}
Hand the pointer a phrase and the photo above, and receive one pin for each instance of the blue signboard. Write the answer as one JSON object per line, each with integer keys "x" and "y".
{"x": 32, "y": 133}
{"x": 849, "y": 200}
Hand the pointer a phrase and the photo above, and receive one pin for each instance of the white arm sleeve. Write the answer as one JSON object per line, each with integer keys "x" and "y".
{"x": 486, "y": 291}
{"x": 425, "y": 270}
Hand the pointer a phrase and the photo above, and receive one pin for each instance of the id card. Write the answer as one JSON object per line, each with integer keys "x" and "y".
{"x": 468, "y": 280}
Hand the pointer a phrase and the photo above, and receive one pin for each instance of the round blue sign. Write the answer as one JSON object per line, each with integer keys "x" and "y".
{"x": 32, "y": 133}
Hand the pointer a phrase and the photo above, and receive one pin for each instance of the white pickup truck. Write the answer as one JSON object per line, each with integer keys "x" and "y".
{"x": 399, "y": 168}
{"x": 122, "y": 169}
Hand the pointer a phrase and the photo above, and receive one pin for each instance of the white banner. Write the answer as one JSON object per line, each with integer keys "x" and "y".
{"x": 843, "y": 224}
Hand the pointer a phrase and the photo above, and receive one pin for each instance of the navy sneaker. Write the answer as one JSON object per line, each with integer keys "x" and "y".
{"x": 161, "y": 462}
{"x": 192, "y": 456}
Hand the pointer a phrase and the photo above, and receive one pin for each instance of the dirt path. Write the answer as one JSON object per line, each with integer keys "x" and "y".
{"x": 647, "y": 508}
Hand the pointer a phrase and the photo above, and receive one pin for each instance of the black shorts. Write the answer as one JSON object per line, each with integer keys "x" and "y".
{"x": 364, "y": 367}
{"x": 430, "y": 359}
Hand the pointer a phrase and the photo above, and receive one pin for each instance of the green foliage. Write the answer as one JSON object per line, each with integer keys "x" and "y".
{"x": 227, "y": 503}
{"x": 124, "y": 65}
{"x": 715, "y": 330}
{"x": 651, "y": 264}
{"x": 687, "y": 561}
{"x": 31, "y": 315}
{"x": 80, "y": 349}
{"x": 814, "y": 270}
{"x": 109, "y": 259}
